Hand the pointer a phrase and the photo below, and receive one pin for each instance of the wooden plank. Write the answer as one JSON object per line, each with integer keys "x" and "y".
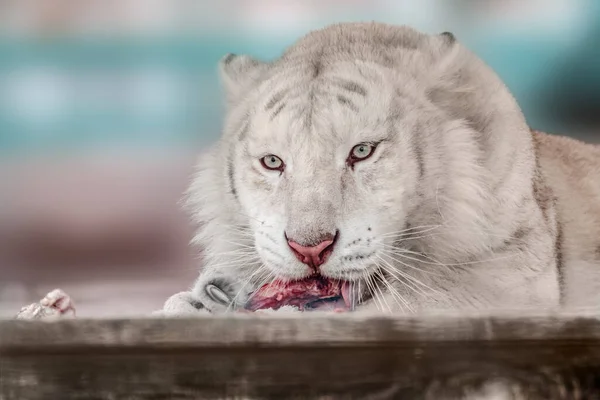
{"x": 346, "y": 356}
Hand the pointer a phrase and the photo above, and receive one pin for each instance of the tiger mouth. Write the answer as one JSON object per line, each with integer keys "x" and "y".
{"x": 312, "y": 293}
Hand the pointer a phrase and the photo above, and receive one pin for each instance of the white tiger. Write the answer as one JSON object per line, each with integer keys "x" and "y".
{"x": 399, "y": 162}
{"x": 376, "y": 154}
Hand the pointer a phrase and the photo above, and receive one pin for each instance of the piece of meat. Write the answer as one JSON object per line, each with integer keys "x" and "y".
{"x": 54, "y": 305}
{"x": 306, "y": 294}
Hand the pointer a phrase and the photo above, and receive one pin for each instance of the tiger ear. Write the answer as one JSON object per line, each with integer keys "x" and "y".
{"x": 448, "y": 37}
{"x": 238, "y": 73}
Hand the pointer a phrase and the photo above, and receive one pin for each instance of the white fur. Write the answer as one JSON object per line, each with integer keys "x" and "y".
{"x": 457, "y": 164}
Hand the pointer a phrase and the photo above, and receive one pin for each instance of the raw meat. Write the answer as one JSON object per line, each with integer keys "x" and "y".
{"x": 307, "y": 294}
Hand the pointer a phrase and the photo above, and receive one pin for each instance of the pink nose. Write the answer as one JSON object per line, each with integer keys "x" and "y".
{"x": 313, "y": 256}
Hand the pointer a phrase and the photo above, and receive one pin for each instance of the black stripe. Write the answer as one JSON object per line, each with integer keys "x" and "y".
{"x": 418, "y": 149}
{"x": 231, "y": 175}
{"x": 558, "y": 255}
{"x": 277, "y": 111}
{"x": 347, "y": 102}
{"x": 521, "y": 232}
{"x": 351, "y": 86}
{"x": 277, "y": 97}
{"x": 542, "y": 193}
{"x": 317, "y": 66}
{"x": 515, "y": 240}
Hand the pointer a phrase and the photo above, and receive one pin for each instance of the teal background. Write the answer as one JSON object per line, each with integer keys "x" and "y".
{"x": 96, "y": 105}
{"x": 106, "y": 104}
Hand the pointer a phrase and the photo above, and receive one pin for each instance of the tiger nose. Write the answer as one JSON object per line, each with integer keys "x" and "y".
{"x": 314, "y": 256}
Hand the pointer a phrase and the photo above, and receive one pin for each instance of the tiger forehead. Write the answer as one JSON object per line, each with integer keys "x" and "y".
{"x": 325, "y": 117}
{"x": 348, "y": 92}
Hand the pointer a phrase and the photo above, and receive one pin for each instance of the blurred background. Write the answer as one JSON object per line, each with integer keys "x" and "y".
{"x": 104, "y": 105}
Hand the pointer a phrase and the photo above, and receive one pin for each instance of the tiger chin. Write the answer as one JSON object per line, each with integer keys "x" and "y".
{"x": 374, "y": 167}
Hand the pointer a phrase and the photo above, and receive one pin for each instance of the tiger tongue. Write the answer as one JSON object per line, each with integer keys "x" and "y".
{"x": 347, "y": 295}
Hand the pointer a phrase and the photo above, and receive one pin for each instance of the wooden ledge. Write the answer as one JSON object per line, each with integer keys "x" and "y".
{"x": 308, "y": 356}
{"x": 301, "y": 330}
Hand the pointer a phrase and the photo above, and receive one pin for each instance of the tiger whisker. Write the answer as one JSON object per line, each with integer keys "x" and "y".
{"x": 426, "y": 271}
{"x": 381, "y": 292}
{"x": 246, "y": 282}
{"x": 413, "y": 231}
{"x": 393, "y": 271}
{"x": 396, "y": 295}
{"x": 371, "y": 290}
{"x": 400, "y": 277}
